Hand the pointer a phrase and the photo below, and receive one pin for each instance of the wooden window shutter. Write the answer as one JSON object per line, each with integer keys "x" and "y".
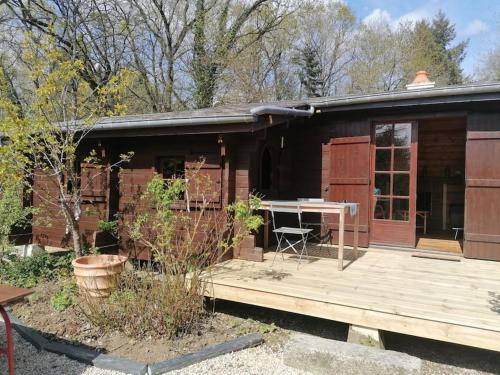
{"x": 208, "y": 184}
{"x": 94, "y": 182}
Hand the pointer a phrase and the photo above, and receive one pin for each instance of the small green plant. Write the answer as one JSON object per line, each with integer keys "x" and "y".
{"x": 267, "y": 328}
{"x": 65, "y": 297}
{"x": 110, "y": 226}
{"x": 27, "y": 272}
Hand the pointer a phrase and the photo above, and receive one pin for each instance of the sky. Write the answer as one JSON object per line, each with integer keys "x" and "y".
{"x": 476, "y": 20}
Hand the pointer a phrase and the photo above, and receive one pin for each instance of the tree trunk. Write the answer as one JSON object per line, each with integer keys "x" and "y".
{"x": 77, "y": 239}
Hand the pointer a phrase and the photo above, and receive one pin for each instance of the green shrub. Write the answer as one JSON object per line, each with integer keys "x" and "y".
{"x": 65, "y": 297}
{"x": 166, "y": 297}
{"x": 27, "y": 272}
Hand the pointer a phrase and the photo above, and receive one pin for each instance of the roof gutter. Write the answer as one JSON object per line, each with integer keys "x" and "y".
{"x": 405, "y": 95}
{"x": 274, "y": 110}
{"x": 110, "y": 124}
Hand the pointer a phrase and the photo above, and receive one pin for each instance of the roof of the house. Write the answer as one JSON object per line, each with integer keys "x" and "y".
{"x": 242, "y": 113}
{"x": 225, "y": 114}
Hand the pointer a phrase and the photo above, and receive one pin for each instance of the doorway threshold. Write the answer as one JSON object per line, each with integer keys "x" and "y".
{"x": 414, "y": 250}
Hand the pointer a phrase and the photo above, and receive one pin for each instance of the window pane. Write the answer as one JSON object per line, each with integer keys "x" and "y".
{"x": 401, "y": 184}
{"x": 382, "y": 208}
{"x": 402, "y": 159}
{"x": 400, "y": 209}
{"x": 172, "y": 168}
{"x": 383, "y": 160}
{"x": 402, "y": 134}
{"x": 383, "y": 135}
{"x": 382, "y": 184}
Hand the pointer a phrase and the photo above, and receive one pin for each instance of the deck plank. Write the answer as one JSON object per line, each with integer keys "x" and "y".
{"x": 451, "y": 301}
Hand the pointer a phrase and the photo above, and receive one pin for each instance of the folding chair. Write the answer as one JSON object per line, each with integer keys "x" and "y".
{"x": 289, "y": 235}
{"x": 320, "y": 224}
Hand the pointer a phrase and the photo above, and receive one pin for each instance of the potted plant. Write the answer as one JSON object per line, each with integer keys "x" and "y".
{"x": 98, "y": 274}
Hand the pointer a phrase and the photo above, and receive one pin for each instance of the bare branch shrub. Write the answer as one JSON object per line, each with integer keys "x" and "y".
{"x": 186, "y": 233}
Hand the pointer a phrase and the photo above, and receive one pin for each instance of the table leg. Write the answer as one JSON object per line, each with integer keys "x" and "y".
{"x": 9, "y": 350}
{"x": 341, "y": 240}
{"x": 356, "y": 235}
{"x": 266, "y": 229}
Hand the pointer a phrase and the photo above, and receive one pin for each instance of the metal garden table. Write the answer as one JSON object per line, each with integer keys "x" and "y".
{"x": 10, "y": 294}
{"x": 319, "y": 207}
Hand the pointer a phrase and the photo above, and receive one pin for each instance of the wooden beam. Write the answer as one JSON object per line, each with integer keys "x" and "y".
{"x": 408, "y": 325}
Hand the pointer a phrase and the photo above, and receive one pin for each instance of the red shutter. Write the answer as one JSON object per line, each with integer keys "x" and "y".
{"x": 93, "y": 182}
{"x": 208, "y": 183}
{"x": 349, "y": 180}
{"x": 482, "y": 191}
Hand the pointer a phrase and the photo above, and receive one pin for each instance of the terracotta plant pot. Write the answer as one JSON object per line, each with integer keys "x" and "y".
{"x": 97, "y": 275}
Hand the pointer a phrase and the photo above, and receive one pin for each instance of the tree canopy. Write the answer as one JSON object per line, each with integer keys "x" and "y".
{"x": 185, "y": 54}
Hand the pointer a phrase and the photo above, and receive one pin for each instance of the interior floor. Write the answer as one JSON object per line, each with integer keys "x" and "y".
{"x": 440, "y": 241}
{"x": 441, "y": 184}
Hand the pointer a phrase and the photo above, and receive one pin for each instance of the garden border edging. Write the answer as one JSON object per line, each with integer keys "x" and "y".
{"x": 108, "y": 362}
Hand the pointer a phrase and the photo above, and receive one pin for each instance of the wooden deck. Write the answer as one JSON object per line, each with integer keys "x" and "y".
{"x": 457, "y": 302}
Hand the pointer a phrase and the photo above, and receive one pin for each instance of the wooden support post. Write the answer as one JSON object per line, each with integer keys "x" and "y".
{"x": 266, "y": 229}
{"x": 341, "y": 239}
{"x": 356, "y": 234}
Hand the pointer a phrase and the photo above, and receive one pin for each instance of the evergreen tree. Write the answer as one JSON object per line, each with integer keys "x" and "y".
{"x": 444, "y": 34}
{"x": 431, "y": 50}
{"x": 310, "y": 71}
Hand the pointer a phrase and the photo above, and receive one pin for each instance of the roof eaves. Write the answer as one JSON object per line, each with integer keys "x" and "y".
{"x": 387, "y": 97}
{"x": 111, "y": 123}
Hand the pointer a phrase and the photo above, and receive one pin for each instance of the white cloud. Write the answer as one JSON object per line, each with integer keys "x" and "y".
{"x": 476, "y": 27}
{"x": 414, "y": 16}
{"x": 377, "y": 16}
{"x": 382, "y": 16}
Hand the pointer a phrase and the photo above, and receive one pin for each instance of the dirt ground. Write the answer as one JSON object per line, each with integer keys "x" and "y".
{"x": 231, "y": 320}
{"x": 72, "y": 326}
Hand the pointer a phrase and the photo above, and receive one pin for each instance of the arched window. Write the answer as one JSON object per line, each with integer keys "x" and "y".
{"x": 266, "y": 170}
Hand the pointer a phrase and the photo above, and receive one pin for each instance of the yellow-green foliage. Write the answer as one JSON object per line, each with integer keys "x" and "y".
{"x": 45, "y": 131}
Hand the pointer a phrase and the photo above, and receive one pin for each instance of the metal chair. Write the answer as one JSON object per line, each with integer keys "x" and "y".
{"x": 320, "y": 224}
{"x": 285, "y": 234}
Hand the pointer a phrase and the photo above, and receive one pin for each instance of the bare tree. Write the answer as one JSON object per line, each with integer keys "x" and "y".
{"x": 327, "y": 28}
{"x": 264, "y": 70}
{"x": 380, "y": 55}
{"x": 222, "y": 29}
{"x": 158, "y": 34}
{"x": 84, "y": 29}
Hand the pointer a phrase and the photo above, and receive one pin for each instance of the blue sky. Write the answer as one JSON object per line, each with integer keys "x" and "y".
{"x": 476, "y": 20}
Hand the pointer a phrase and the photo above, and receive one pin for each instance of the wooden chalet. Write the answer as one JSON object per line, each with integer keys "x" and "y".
{"x": 424, "y": 165}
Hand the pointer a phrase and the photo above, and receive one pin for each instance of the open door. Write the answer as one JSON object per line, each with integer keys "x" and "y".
{"x": 393, "y": 183}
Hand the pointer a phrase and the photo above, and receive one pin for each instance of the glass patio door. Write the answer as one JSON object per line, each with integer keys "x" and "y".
{"x": 393, "y": 183}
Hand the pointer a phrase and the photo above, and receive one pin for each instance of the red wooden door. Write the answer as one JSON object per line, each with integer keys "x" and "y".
{"x": 482, "y": 192}
{"x": 393, "y": 183}
{"x": 349, "y": 180}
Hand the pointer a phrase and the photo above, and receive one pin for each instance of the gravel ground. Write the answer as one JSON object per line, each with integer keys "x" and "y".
{"x": 30, "y": 361}
{"x": 254, "y": 361}
{"x": 438, "y": 359}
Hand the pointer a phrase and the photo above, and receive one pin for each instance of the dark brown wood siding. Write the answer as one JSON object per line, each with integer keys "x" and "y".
{"x": 482, "y": 192}
{"x": 134, "y": 176}
{"x": 49, "y": 227}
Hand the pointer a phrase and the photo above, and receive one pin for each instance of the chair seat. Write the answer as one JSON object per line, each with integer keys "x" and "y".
{"x": 317, "y": 223}
{"x": 290, "y": 230}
